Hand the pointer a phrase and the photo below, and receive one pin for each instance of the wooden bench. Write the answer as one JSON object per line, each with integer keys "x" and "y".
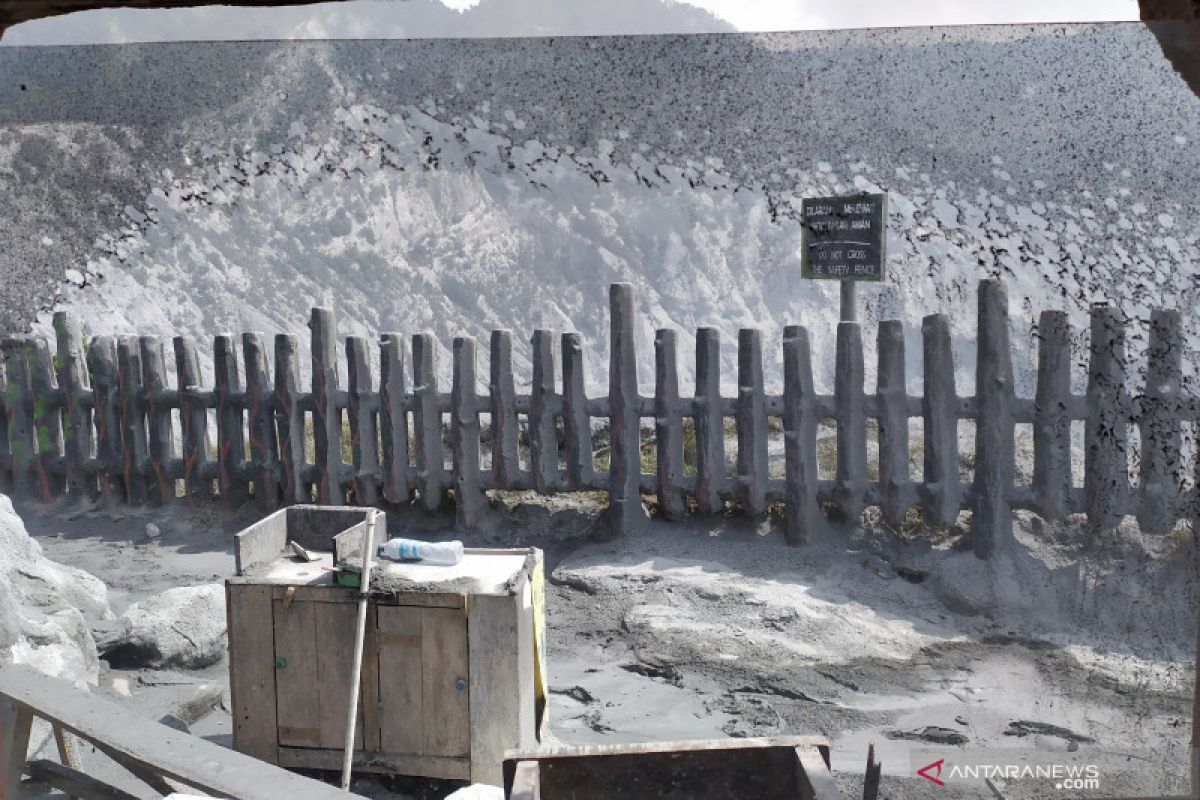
{"x": 154, "y": 753}
{"x": 792, "y": 767}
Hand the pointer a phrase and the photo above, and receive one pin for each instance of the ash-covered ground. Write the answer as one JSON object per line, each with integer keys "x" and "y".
{"x": 1066, "y": 647}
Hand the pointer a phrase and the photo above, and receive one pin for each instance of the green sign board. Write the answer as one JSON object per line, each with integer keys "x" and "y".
{"x": 844, "y": 237}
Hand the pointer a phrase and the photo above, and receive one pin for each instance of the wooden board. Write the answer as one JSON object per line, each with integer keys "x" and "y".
{"x": 174, "y": 755}
{"x": 444, "y": 682}
{"x": 334, "y": 627}
{"x": 398, "y": 640}
{"x": 496, "y": 685}
{"x": 251, "y": 670}
{"x": 455, "y": 769}
{"x": 297, "y": 683}
{"x": 760, "y": 768}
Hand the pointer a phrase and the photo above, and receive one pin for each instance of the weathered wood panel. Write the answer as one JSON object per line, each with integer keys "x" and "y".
{"x": 231, "y": 441}
{"x": 1159, "y": 425}
{"x": 1106, "y": 482}
{"x": 577, "y": 425}
{"x": 851, "y": 420}
{"x": 160, "y": 430}
{"x": 894, "y": 484}
{"x": 942, "y": 490}
{"x": 1052, "y": 417}
{"x": 77, "y": 414}
{"x": 264, "y": 444}
{"x": 47, "y": 422}
{"x": 799, "y": 437}
{"x": 193, "y": 421}
{"x": 668, "y": 426}
{"x": 364, "y": 433}
{"x": 464, "y": 436}
{"x": 427, "y": 421}
{"x": 19, "y": 404}
{"x": 624, "y": 493}
{"x": 710, "y": 424}
{"x": 327, "y": 416}
{"x": 993, "y": 421}
{"x": 289, "y": 422}
{"x": 751, "y": 423}
{"x": 133, "y": 419}
{"x": 106, "y": 410}
{"x": 252, "y": 670}
{"x": 400, "y": 679}
{"x": 543, "y": 436}
{"x": 506, "y": 464}
{"x": 445, "y": 680}
{"x": 393, "y": 419}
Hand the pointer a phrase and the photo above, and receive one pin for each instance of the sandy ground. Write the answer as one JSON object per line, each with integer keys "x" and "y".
{"x": 1068, "y": 648}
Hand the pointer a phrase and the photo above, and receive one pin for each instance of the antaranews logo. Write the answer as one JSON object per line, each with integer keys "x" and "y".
{"x": 1065, "y": 776}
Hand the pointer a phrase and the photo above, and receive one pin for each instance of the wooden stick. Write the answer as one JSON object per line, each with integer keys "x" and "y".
{"x": 993, "y": 423}
{"x": 668, "y": 426}
{"x": 360, "y": 633}
{"x": 751, "y": 423}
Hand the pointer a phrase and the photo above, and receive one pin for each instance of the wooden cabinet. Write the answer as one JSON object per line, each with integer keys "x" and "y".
{"x": 450, "y": 680}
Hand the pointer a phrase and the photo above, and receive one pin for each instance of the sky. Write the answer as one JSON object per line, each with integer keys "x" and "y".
{"x": 396, "y": 19}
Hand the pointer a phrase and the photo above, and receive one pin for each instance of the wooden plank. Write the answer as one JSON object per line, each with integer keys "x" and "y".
{"x": 445, "y": 682}
{"x": 464, "y": 436}
{"x": 577, "y": 424}
{"x": 506, "y": 464}
{"x": 261, "y": 543}
{"x": 65, "y": 743}
{"x": 252, "y": 670}
{"x": 289, "y": 422}
{"x": 994, "y": 398}
{"x": 260, "y": 419}
{"x": 894, "y": 484}
{"x": 543, "y": 436}
{"x": 427, "y": 422}
{"x": 668, "y": 426}
{"x": 74, "y": 783}
{"x": 327, "y": 417}
{"x": 496, "y": 684}
{"x": 942, "y": 489}
{"x": 1052, "y": 417}
{"x": 372, "y": 710}
{"x": 193, "y": 419}
{"x": 15, "y": 722}
{"x": 393, "y": 419}
{"x": 159, "y": 428}
{"x": 399, "y": 636}
{"x": 106, "y": 410}
{"x": 813, "y": 778}
{"x": 174, "y": 755}
{"x": 19, "y": 404}
{"x": 133, "y": 419}
{"x": 445, "y": 768}
{"x": 1106, "y": 479}
{"x": 297, "y": 686}
{"x": 751, "y": 423}
{"x": 625, "y": 466}
{"x": 335, "y": 623}
{"x": 1159, "y": 424}
{"x": 851, "y": 421}
{"x": 710, "y": 424}
{"x": 231, "y": 442}
{"x": 5, "y": 453}
{"x": 799, "y": 437}
{"x": 331, "y": 593}
{"x": 526, "y": 783}
{"x": 766, "y": 769}
{"x": 364, "y": 433}
{"x": 47, "y": 421}
{"x": 77, "y": 415}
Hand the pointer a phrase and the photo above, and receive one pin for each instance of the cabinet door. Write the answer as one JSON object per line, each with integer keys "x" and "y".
{"x": 314, "y": 653}
{"x": 423, "y": 681}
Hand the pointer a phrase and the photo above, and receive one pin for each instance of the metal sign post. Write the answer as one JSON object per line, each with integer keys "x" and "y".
{"x": 845, "y": 240}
